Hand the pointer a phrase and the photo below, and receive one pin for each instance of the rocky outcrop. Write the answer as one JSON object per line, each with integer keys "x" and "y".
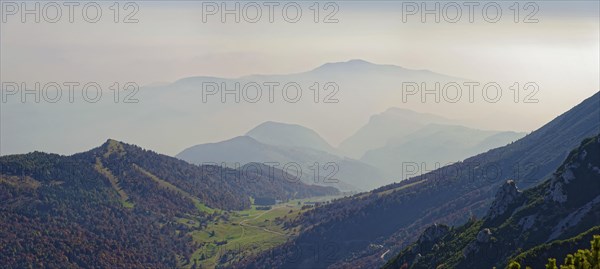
{"x": 527, "y": 223}
{"x": 430, "y": 237}
{"x": 483, "y": 237}
{"x": 433, "y": 233}
{"x": 573, "y": 218}
{"x": 505, "y": 196}
{"x": 557, "y": 192}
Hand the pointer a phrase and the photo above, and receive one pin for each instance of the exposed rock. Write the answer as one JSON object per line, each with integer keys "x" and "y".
{"x": 504, "y": 198}
{"x": 556, "y": 192}
{"x": 417, "y": 258}
{"x": 568, "y": 176}
{"x": 582, "y": 155}
{"x": 433, "y": 233}
{"x": 527, "y": 222}
{"x": 484, "y": 236}
{"x": 573, "y": 219}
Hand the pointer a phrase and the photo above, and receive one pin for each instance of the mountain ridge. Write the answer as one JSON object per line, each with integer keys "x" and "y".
{"x": 565, "y": 205}
{"x": 396, "y": 213}
{"x": 344, "y": 173}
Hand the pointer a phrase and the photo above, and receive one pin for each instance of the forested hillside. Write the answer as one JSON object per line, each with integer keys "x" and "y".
{"x": 566, "y": 205}
{"x": 117, "y": 206}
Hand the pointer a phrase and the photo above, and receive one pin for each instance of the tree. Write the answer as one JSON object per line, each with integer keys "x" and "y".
{"x": 582, "y": 259}
{"x": 514, "y": 265}
{"x": 551, "y": 264}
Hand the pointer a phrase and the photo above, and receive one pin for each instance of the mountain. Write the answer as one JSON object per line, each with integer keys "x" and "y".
{"x": 289, "y": 135}
{"x": 310, "y": 165}
{"x": 363, "y": 230}
{"x": 330, "y": 101}
{"x": 566, "y": 205}
{"x": 119, "y": 205}
{"x": 435, "y": 145}
{"x": 393, "y": 123}
{"x": 359, "y": 67}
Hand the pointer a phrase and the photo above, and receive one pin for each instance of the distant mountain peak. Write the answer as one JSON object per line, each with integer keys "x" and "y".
{"x": 399, "y": 111}
{"x": 111, "y": 143}
{"x": 351, "y": 65}
{"x": 351, "y": 62}
{"x": 403, "y": 113}
{"x": 287, "y": 134}
{"x": 277, "y": 123}
{"x": 358, "y": 61}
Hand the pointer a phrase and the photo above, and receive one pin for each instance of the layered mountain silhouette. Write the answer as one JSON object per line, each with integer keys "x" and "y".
{"x": 306, "y": 164}
{"x": 399, "y": 136}
{"x": 381, "y": 128}
{"x": 191, "y": 105}
{"x": 519, "y": 197}
{"x": 364, "y": 229}
{"x": 434, "y": 146}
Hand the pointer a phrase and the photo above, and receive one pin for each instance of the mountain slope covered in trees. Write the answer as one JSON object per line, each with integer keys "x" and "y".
{"x": 117, "y": 206}
{"x": 564, "y": 206}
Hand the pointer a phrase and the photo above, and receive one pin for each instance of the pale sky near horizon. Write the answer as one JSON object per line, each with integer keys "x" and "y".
{"x": 170, "y": 42}
{"x": 560, "y": 52}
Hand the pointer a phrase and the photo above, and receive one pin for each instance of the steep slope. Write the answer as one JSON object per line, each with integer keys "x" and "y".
{"x": 118, "y": 206}
{"x": 435, "y": 145}
{"x": 393, "y": 123}
{"x": 540, "y": 254}
{"x": 364, "y": 227}
{"x": 343, "y": 173}
{"x": 289, "y": 135}
{"x": 566, "y": 205}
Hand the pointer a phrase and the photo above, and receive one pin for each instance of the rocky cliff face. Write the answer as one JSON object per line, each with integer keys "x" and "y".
{"x": 483, "y": 237}
{"x": 507, "y": 194}
{"x": 557, "y": 192}
{"x": 433, "y": 233}
{"x": 562, "y": 207}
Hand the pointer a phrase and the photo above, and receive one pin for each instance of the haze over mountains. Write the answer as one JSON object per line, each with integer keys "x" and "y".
{"x": 300, "y": 135}
{"x": 120, "y": 205}
{"x": 366, "y": 227}
{"x": 294, "y": 147}
{"x": 289, "y": 135}
{"x": 381, "y": 128}
{"x": 361, "y": 89}
{"x": 109, "y": 195}
{"x": 433, "y": 146}
{"x": 410, "y": 138}
{"x": 305, "y": 164}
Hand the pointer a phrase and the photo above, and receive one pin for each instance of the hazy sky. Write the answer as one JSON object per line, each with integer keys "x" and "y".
{"x": 170, "y": 41}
